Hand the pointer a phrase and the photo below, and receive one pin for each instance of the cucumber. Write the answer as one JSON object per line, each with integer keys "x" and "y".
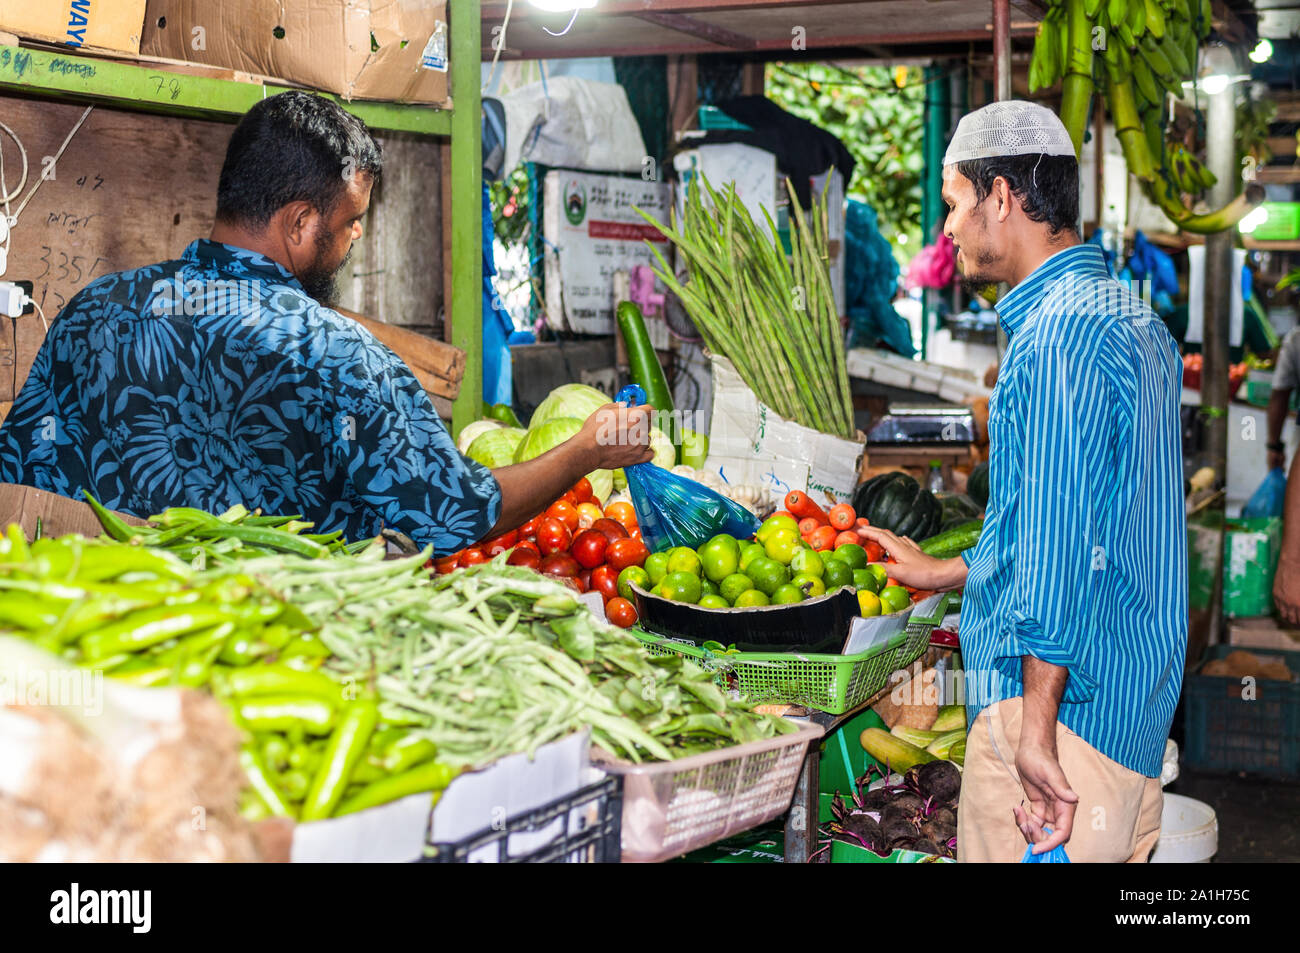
{"x": 647, "y": 371}
{"x": 956, "y": 540}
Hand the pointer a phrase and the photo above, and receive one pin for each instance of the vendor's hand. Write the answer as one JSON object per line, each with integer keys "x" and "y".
{"x": 1276, "y": 460}
{"x": 911, "y": 567}
{"x": 1286, "y": 589}
{"x": 617, "y": 436}
{"x": 1051, "y": 800}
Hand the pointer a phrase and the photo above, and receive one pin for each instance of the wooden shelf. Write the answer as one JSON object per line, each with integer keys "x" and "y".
{"x": 159, "y": 89}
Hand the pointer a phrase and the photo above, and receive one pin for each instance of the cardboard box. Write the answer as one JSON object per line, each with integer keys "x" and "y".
{"x": 360, "y": 49}
{"x": 1264, "y": 633}
{"x": 111, "y": 25}
{"x": 58, "y": 515}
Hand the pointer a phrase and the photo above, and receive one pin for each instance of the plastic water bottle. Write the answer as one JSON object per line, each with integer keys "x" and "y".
{"x": 934, "y": 483}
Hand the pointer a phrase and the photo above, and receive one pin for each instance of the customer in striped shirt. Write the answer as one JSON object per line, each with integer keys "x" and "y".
{"x": 1074, "y": 612}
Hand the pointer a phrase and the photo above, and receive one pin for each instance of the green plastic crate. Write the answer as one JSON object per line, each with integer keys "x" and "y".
{"x": 829, "y": 683}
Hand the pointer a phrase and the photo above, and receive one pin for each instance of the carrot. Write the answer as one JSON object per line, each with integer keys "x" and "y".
{"x": 822, "y": 538}
{"x": 848, "y": 536}
{"x": 783, "y": 513}
{"x": 842, "y": 516}
{"x": 806, "y": 526}
{"x": 863, "y": 522}
{"x": 802, "y": 506}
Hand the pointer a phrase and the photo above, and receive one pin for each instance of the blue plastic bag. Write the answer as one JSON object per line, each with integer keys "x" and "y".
{"x": 675, "y": 511}
{"x": 1268, "y": 500}
{"x": 1056, "y": 855}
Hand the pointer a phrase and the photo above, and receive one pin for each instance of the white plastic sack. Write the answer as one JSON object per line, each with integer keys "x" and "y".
{"x": 574, "y": 124}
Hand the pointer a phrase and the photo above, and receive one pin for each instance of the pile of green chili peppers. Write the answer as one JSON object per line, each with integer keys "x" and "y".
{"x": 314, "y": 747}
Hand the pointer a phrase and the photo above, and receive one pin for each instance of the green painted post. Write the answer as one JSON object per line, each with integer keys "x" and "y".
{"x": 936, "y": 141}
{"x": 466, "y": 295}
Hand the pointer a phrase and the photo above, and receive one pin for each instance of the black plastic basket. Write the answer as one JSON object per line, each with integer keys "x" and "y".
{"x": 587, "y": 830}
{"x": 1227, "y": 733}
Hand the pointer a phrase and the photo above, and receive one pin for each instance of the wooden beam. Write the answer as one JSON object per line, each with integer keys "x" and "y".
{"x": 1283, "y": 147}
{"x": 700, "y": 29}
{"x": 613, "y": 8}
{"x": 1278, "y": 175}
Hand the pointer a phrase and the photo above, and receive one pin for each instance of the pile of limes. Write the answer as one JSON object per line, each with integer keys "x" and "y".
{"x": 776, "y": 568}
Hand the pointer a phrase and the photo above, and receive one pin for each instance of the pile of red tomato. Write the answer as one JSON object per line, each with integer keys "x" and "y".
{"x": 575, "y": 541}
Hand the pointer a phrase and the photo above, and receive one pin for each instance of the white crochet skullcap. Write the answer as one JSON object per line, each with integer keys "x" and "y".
{"x": 1012, "y": 127}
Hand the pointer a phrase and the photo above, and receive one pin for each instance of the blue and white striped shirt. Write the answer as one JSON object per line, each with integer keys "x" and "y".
{"x": 1083, "y": 558}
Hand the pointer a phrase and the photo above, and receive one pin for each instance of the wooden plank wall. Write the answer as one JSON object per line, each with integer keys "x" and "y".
{"x": 132, "y": 189}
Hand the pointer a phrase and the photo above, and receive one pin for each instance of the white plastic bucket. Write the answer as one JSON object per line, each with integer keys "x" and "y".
{"x": 1189, "y": 832}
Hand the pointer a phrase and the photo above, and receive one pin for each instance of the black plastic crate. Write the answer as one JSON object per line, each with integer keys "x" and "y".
{"x": 587, "y": 829}
{"x": 1227, "y": 733}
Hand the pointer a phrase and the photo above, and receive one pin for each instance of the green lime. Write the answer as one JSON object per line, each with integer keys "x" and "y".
{"x": 748, "y": 553}
{"x": 713, "y": 601}
{"x": 878, "y": 570}
{"x": 768, "y": 575}
{"x": 629, "y": 577}
{"x": 786, "y": 595}
{"x": 774, "y": 524}
{"x": 720, "y": 557}
{"x": 808, "y": 561}
{"x": 656, "y": 567}
{"x": 731, "y": 587}
{"x": 751, "y": 597}
{"x": 853, "y": 554}
{"x": 681, "y": 587}
{"x": 683, "y": 559}
{"x": 837, "y": 574}
{"x": 868, "y": 602}
{"x": 809, "y": 585}
{"x": 708, "y": 587}
{"x": 782, "y": 546}
{"x": 895, "y": 598}
{"x": 864, "y": 580}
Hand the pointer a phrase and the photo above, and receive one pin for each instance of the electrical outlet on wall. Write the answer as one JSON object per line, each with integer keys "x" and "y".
{"x": 604, "y": 379}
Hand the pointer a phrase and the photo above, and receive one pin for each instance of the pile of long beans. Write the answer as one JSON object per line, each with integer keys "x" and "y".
{"x": 773, "y": 317}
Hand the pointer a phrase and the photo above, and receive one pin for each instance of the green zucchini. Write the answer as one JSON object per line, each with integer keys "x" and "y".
{"x": 954, "y": 541}
{"x": 647, "y": 371}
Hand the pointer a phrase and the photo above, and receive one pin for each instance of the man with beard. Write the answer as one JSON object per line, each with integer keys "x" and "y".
{"x": 225, "y": 378}
{"x": 1074, "y": 613}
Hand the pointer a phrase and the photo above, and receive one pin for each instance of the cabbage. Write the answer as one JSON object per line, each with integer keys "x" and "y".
{"x": 496, "y": 448}
{"x": 472, "y": 430}
{"x": 552, "y": 433}
{"x": 569, "y": 400}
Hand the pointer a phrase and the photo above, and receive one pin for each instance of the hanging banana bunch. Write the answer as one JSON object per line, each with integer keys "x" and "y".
{"x": 1138, "y": 52}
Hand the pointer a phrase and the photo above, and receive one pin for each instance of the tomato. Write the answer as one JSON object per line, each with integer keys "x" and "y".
{"x": 842, "y": 516}
{"x": 582, "y": 490}
{"x": 622, "y": 553}
{"x": 447, "y": 564}
{"x": 559, "y": 564}
{"x": 584, "y": 580}
{"x": 622, "y": 512}
{"x": 636, "y": 532}
{"x": 589, "y": 548}
{"x": 620, "y": 612}
{"x": 524, "y": 556}
{"x": 493, "y": 548}
{"x": 588, "y": 513}
{"x": 553, "y": 536}
{"x": 529, "y": 529}
{"x": 611, "y": 528}
{"x": 808, "y": 525}
{"x": 569, "y": 497}
{"x": 565, "y": 512}
{"x": 604, "y": 579}
{"x": 471, "y": 557}
{"x": 529, "y": 545}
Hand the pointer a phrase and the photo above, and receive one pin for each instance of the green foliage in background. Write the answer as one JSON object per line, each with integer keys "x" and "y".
{"x": 880, "y": 123}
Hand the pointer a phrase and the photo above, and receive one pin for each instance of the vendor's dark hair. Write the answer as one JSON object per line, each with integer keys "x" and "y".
{"x": 292, "y": 147}
{"x": 1047, "y": 186}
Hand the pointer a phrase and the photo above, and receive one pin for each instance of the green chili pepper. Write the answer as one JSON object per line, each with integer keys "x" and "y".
{"x": 277, "y": 680}
{"x": 304, "y": 757}
{"x": 432, "y": 776}
{"x": 275, "y": 751}
{"x": 345, "y": 748}
{"x": 295, "y": 784}
{"x": 282, "y": 712}
{"x": 407, "y": 752}
{"x": 28, "y": 612}
{"x": 304, "y": 646}
{"x": 366, "y": 772}
{"x": 113, "y": 524}
{"x": 149, "y": 627}
{"x": 241, "y": 648}
{"x": 259, "y": 779}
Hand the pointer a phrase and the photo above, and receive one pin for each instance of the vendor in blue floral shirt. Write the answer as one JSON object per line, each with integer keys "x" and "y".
{"x": 225, "y": 378}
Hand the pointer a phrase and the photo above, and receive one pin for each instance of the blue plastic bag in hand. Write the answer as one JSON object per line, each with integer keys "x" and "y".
{"x": 1268, "y": 500}
{"x": 1056, "y": 855}
{"x": 673, "y": 510}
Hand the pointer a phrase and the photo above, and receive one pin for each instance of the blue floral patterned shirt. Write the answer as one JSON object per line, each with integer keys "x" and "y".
{"x": 216, "y": 380}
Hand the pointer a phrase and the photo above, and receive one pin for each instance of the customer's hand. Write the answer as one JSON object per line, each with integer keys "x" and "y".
{"x": 911, "y": 567}
{"x": 1286, "y": 589}
{"x": 1051, "y": 800}
{"x": 617, "y": 436}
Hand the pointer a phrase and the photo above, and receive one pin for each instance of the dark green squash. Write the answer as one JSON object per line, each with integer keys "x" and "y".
{"x": 896, "y": 502}
{"x": 977, "y": 485}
